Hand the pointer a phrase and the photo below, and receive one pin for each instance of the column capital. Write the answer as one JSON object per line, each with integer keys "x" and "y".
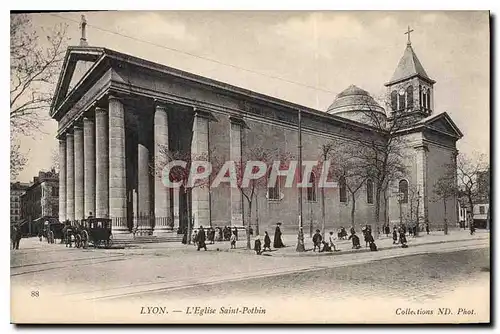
{"x": 161, "y": 104}
{"x": 99, "y": 110}
{"x": 238, "y": 121}
{"x": 78, "y": 124}
{"x": 199, "y": 112}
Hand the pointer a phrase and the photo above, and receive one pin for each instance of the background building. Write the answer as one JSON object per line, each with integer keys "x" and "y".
{"x": 16, "y": 190}
{"x": 40, "y": 200}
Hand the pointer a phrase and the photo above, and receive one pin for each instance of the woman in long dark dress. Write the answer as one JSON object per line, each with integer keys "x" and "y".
{"x": 267, "y": 242}
{"x": 278, "y": 243}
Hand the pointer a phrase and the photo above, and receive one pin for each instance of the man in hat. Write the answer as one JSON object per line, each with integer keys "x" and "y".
{"x": 317, "y": 238}
{"x": 201, "y": 238}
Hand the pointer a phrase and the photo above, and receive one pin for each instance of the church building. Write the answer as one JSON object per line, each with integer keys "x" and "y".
{"x": 115, "y": 111}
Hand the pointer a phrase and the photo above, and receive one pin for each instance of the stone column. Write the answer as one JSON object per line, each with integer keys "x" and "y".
{"x": 421, "y": 178}
{"x": 117, "y": 167}
{"x": 235, "y": 155}
{"x": 102, "y": 163}
{"x": 143, "y": 173}
{"x": 90, "y": 165}
{"x": 62, "y": 179}
{"x": 162, "y": 193}
{"x": 176, "y": 207}
{"x": 200, "y": 196}
{"x": 79, "y": 170}
{"x": 70, "y": 177}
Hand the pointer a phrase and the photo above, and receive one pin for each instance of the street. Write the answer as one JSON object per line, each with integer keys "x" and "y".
{"x": 427, "y": 273}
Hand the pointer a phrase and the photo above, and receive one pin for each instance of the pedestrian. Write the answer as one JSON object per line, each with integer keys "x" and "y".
{"x": 211, "y": 234}
{"x": 472, "y": 227}
{"x": 331, "y": 238}
{"x": 201, "y": 238}
{"x": 353, "y": 231}
{"x": 267, "y": 242}
{"x": 387, "y": 230}
{"x": 394, "y": 236}
{"x": 194, "y": 237}
{"x": 317, "y": 240}
{"x": 16, "y": 235}
{"x": 278, "y": 243}
{"x": 427, "y": 229}
{"x": 236, "y": 233}
{"x": 257, "y": 246}
{"x": 402, "y": 239}
{"x": 233, "y": 240}
{"x": 355, "y": 241}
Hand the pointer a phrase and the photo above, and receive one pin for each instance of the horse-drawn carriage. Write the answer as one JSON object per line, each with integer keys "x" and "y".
{"x": 52, "y": 230}
{"x": 93, "y": 231}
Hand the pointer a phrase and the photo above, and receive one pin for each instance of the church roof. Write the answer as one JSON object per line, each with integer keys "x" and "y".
{"x": 409, "y": 66}
{"x": 354, "y": 98}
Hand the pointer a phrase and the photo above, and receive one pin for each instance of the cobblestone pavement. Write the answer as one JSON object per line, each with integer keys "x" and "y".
{"x": 106, "y": 273}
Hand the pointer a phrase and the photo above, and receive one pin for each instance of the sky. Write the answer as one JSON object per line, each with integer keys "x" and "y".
{"x": 324, "y": 52}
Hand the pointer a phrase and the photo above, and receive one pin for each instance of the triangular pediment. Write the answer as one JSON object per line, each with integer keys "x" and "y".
{"x": 77, "y": 62}
{"x": 444, "y": 124}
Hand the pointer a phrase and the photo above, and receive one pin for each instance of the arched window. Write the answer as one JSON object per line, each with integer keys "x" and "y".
{"x": 311, "y": 191}
{"x": 402, "y": 101}
{"x": 394, "y": 100}
{"x": 403, "y": 191}
{"x": 409, "y": 97}
{"x": 273, "y": 192}
{"x": 420, "y": 96}
{"x": 429, "y": 99}
{"x": 342, "y": 190}
{"x": 369, "y": 191}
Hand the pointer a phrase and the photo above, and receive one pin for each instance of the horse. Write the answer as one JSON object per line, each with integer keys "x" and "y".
{"x": 15, "y": 236}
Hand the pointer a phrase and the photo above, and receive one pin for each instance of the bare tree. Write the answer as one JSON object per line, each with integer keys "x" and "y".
{"x": 34, "y": 68}
{"x": 444, "y": 189}
{"x": 325, "y": 150}
{"x": 467, "y": 175}
{"x": 349, "y": 170}
{"x": 17, "y": 159}
{"x": 383, "y": 154}
{"x": 249, "y": 191}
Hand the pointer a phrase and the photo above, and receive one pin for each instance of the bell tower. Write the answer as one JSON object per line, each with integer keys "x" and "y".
{"x": 410, "y": 90}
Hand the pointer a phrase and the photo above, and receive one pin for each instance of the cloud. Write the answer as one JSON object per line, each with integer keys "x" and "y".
{"x": 154, "y": 27}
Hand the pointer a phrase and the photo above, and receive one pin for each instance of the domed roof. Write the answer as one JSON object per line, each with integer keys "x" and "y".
{"x": 354, "y": 99}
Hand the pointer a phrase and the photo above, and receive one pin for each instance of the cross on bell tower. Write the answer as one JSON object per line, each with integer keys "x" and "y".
{"x": 83, "y": 38}
{"x": 408, "y": 32}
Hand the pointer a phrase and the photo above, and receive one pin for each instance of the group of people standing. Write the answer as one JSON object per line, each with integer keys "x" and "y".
{"x": 200, "y": 236}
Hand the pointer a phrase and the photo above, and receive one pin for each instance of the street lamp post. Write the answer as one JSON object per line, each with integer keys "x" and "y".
{"x": 300, "y": 237}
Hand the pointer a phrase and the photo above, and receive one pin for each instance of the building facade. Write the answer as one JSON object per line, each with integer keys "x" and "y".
{"x": 16, "y": 190}
{"x": 40, "y": 201}
{"x": 116, "y": 112}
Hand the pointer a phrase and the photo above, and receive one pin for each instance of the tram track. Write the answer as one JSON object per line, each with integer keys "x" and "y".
{"x": 172, "y": 285}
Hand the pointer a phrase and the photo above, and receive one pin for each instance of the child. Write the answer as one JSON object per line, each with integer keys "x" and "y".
{"x": 267, "y": 242}
{"x": 317, "y": 240}
{"x": 233, "y": 240}
{"x": 257, "y": 246}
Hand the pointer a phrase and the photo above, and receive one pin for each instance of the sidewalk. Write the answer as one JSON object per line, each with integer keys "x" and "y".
{"x": 345, "y": 246}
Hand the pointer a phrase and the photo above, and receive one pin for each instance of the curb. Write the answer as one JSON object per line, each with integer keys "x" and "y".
{"x": 363, "y": 250}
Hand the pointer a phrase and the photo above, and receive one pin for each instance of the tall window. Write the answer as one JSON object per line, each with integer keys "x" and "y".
{"x": 273, "y": 193}
{"x": 428, "y": 99}
{"x": 403, "y": 190}
{"x": 402, "y": 100}
{"x": 409, "y": 97}
{"x": 342, "y": 190}
{"x": 369, "y": 191}
{"x": 394, "y": 100}
{"x": 481, "y": 210}
{"x": 311, "y": 191}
